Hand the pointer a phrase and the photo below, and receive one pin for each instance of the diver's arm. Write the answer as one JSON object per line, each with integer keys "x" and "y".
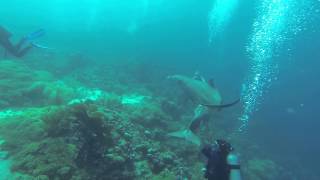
{"x": 234, "y": 164}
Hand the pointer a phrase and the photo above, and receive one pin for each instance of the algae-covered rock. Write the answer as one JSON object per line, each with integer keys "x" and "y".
{"x": 19, "y": 127}
{"x": 165, "y": 175}
{"x": 87, "y": 133}
{"x": 47, "y": 158}
{"x": 147, "y": 113}
{"x": 58, "y": 93}
{"x": 66, "y": 142}
{"x": 22, "y": 86}
{"x": 50, "y": 93}
{"x": 14, "y": 79}
{"x": 99, "y": 139}
{"x": 142, "y": 169}
{"x": 85, "y": 95}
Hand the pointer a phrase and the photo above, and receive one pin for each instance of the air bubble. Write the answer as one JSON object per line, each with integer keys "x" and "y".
{"x": 270, "y": 30}
{"x": 219, "y": 17}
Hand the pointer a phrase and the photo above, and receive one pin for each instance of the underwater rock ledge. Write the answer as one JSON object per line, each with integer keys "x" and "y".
{"x": 83, "y": 141}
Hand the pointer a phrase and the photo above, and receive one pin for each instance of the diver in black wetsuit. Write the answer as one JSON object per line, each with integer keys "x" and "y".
{"x": 15, "y": 50}
{"x": 222, "y": 164}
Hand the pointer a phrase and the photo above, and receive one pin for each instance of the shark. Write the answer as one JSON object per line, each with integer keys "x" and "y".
{"x": 207, "y": 99}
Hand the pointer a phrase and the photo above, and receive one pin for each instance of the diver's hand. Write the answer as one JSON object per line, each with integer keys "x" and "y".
{"x": 233, "y": 159}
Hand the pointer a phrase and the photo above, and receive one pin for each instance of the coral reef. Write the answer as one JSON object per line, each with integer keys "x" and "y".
{"x": 65, "y": 130}
{"x": 83, "y": 141}
{"x": 14, "y": 79}
{"x": 21, "y": 86}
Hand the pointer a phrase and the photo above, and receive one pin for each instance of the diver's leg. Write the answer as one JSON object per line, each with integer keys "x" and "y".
{"x": 9, "y": 47}
{"x": 20, "y": 44}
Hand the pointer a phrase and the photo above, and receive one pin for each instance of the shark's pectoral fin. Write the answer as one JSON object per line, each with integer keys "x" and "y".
{"x": 222, "y": 105}
{"x": 187, "y": 135}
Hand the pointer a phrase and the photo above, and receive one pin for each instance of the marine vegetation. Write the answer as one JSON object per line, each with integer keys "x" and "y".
{"x": 66, "y": 131}
{"x": 22, "y": 86}
{"x": 82, "y": 141}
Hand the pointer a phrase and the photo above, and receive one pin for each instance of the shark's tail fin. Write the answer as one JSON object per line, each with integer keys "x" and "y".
{"x": 187, "y": 135}
{"x": 222, "y": 105}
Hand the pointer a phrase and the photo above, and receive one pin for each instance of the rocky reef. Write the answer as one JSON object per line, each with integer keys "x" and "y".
{"x": 21, "y": 86}
{"x": 63, "y": 129}
{"x": 85, "y": 141}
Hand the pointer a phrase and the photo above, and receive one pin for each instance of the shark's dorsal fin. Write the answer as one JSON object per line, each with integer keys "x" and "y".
{"x": 198, "y": 77}
{"x": 211, "y": 83}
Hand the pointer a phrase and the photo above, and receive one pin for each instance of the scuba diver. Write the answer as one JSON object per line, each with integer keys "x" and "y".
{"x": 18, "y": 50}
{"x": 222, "y": 164}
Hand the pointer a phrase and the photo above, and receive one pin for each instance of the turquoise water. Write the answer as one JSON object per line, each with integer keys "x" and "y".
{"x": 114, "y": 57}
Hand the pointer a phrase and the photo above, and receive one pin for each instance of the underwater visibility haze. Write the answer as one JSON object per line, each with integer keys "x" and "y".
{"x": 134, "y": 89}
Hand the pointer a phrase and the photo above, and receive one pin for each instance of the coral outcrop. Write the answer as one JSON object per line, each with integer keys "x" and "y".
{"x": 62, "y": 130}
{"x": 83, "y": 141}
{"x": 21, "y": 86}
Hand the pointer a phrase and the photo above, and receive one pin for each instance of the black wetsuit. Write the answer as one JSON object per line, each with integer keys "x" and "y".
{"x": 9, "y": 47}
{"x": 217, "y": 167}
